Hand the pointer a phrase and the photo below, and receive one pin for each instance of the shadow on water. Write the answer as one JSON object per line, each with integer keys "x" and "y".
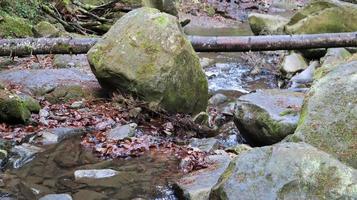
{"x": 146, "y": 177}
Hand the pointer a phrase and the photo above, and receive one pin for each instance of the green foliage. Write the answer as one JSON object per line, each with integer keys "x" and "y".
{"x": 29, "y": 9}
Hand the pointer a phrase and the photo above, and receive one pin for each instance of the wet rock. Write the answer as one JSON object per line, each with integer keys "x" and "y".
{"x": 217, "y": 99}
{"x": 286, "y": 171}
{"x": 333, "y": 58}
{"x": 324, "y": 16}
{"x": 56, "y": 197}
{"x": 146, "y": 53}
{"x": 22, "y": 154}
{"x": 328, "y": 118}
{"x": 16, "y": 108}
{"x": 56, "y": 135}
{"x": 268, "y": 116}
{"x": 46, "y": 29}
{"x": 264, "y": 24}
{"x": 229, "y": 135}
{"x": 306, "y": 76}
{"x": 40, "y": 82}
{"x": 293, "y": 63}
{"x": 94, "y": 173}
{"x": 67, "y": 61}
{"x": 197, "y": 185}
{"x": 89, "y": 195}
{"x": 204, "y": 144}
{"x": 122, "y": 132}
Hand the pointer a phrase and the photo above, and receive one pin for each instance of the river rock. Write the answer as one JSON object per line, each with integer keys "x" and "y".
{"x": 328, "y": 118}
{"x": 168, "y": 6}
{"x": 67, "y": 61}
{"x": 56, "y": 197}
{"x": 56, "y": 135}
{"x": 122, "y": 132}
{"x": 197, "y": 185}
{"x": 22, "y": 154}
{"x": 324, "y": 16}
{"x": 43, "y": 81}
{"x": 217, "y": 99}
{"x": 305, "y": 76}
{"x": 265, "y": 24}
{"x": 95, "y": 173}
{"x": 286, "y": 171}
{"x": 146, "y": 54}
{"x": 293, "y": 63}
{"x": 15, "y": 108}
{"x": 333, "y": 58}
{"x": 46, "y": 29}
{"x": 268, "y": 116}
{"x": 204, "y": 144}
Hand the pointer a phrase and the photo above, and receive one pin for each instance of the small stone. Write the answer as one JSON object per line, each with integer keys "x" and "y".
{"x": 44, "y": 113}
{"x": 204, "y": 144}
{"x": 217, "y": 99}
{"x": 77, "y": 104}
{"x": 134, "y": 112}
{"x": 122, "y": 132}
{"x": 293, "y": 63}
{"x": 56, "y": 197}
{"x": 94, "y": 173}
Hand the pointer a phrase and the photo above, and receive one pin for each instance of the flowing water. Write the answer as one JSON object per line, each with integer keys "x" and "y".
{"x": 147, "y": 177}
{"x": 52, "y": 171}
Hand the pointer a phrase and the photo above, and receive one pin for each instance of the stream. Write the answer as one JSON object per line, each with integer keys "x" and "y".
{"x": 146, "y": 177}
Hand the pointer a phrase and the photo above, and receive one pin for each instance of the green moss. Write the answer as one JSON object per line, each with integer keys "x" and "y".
{"x": 12, "y": 108}
{"x": 289, "y": 112}
{"x": 67, "y": 93}
{"x": 23, "y": 8}
{"x": 14, "y": 27}
{"x": 162, "y": 20}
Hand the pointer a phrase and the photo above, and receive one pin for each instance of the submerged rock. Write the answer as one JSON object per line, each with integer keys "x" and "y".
{"x": 264, "y": 24}
{"x": 56, "y": 135}
{"x": 328, "y": 118}
{"x": 197, "y": 185}
{"x": 95, "y": 173}
{"x": 268, "y": 116}
{"x": 286, "y": 171}
{"x": 146, "y": 54}
{"x": 324, "y": 16}
{"x": 23, "y": 154}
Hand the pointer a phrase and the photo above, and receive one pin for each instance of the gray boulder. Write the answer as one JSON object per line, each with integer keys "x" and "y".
{"x": 264, "y": 24}
{"x": 197, "y": 185}
{"x": 328, "y": 118}
{"x": 147, "y": 54}
{"x": 293, "y": 63}
{"x": 268, "y": 116}
{"x": 286, "y": 171}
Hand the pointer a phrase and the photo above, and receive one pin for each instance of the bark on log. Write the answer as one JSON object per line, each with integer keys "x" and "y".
{"x": 29, "y": 46}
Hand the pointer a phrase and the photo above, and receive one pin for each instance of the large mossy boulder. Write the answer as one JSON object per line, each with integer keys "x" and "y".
{"x": 324, "y": 16}
{"x": 12, "y": 26}
{"x": 147, "y": 54}
{"x": 16, "y": 108}
{"x": 328, "y": 118}
{"x": 268, "y": 116}
{"x": 264, "y": 24}
{"x": 286, "y": 171}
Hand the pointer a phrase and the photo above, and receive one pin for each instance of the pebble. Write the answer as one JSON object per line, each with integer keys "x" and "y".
{"x": 95, "y": 173}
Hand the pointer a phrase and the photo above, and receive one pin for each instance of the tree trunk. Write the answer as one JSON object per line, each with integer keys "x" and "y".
{"x": 29, "y": 46}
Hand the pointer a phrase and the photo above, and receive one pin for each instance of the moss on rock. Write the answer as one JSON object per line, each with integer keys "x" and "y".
{"x": 12, "y": 26}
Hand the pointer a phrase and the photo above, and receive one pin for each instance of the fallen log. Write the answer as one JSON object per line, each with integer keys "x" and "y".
{"x": 35, "y": 46}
